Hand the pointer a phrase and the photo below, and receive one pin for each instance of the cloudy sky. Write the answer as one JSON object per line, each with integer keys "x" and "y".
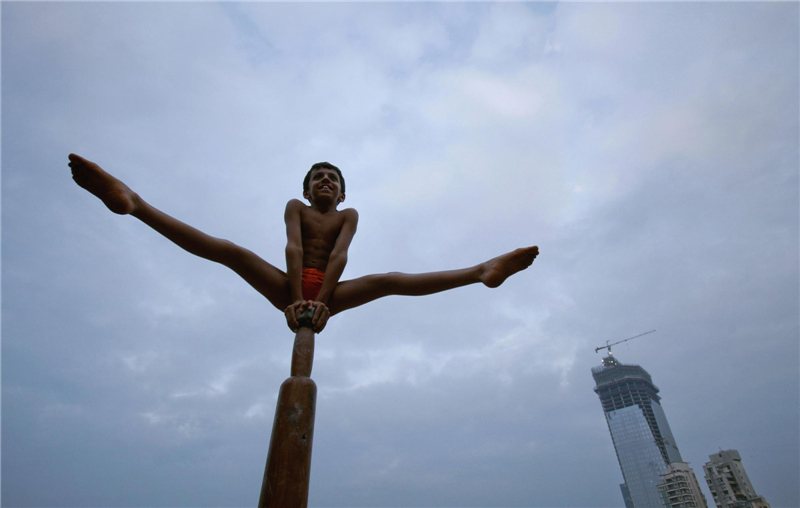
{"x": 650, "y": 150}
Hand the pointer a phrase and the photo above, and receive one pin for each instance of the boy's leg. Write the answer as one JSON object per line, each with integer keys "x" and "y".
{"x": 119, "y": 198}
{"x": 492, "y": 273}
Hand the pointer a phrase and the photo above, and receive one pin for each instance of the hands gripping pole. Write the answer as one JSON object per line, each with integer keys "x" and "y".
{"x": 288, "y": 468}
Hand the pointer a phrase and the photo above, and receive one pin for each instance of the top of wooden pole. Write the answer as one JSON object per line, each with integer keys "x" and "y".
{"x": 303, "y": 350}
{"x": 305, "y": 318}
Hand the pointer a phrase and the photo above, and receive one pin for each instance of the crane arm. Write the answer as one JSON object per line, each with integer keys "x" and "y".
{"x": 608, "y": 346}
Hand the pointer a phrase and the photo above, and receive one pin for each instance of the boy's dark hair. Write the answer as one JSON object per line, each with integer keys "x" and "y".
{"x": 322, "y": 165}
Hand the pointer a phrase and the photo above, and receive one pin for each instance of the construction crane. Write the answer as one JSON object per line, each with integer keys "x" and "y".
{"x": 608, "y": 346}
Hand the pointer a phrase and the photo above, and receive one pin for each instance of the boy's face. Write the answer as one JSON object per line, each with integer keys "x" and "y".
{"x": 324, "y": 184}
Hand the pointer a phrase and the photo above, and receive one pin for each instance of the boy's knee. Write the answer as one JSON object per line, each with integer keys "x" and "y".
{"x": 391, "y": 280}
{"x": 228, "y": 253}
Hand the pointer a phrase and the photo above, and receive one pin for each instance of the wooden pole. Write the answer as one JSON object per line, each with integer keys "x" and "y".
{"x": 288, "y": 468}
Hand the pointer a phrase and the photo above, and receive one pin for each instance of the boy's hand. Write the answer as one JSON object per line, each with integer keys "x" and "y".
{"x": 321, "y": 315}
{"x": 318, "y": 322}
{"x": 294, "y": 310}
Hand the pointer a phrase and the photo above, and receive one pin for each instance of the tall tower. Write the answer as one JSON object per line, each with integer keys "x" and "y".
{"x": 728, "y": 482}
{"x": 639, "y": 429}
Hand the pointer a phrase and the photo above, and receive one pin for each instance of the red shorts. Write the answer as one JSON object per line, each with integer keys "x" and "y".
{"x": 312, "y": 283}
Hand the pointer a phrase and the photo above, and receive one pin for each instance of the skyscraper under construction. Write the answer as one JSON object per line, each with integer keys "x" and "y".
{"x": 639, "y": 429}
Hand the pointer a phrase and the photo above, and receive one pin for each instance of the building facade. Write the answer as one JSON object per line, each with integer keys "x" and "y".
{"x": 679, "y": 487}
{"x": 728, "y": 482}
{"x": 642, "y": 438}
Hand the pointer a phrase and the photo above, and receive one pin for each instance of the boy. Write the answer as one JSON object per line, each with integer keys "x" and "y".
{"x": 318, "y": 237}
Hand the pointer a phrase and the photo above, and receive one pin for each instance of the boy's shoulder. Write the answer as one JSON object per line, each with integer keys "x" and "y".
{"x": 295, "y": 203}
{"x": 349, "y": 213}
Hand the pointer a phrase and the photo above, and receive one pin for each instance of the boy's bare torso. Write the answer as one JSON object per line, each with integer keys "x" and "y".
{"x": 319, "y": 233}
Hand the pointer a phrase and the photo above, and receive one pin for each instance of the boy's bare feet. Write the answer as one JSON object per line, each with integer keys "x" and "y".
{"x": 117, "y": 196}
{"x": 497, "y": 270}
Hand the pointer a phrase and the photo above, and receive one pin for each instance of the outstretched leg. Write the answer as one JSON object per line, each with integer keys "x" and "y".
{"x": 492, "y": 273}
{"x": 119, "y": 198}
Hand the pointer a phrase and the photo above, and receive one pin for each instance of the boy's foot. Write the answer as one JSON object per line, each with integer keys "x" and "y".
{"x": 497, "y": 270}
{"x": 117, "y": 196}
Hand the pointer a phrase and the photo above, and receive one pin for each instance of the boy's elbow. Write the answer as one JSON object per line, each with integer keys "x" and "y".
{"x": 338, "y": 257}
{"x": 293, "y": 250}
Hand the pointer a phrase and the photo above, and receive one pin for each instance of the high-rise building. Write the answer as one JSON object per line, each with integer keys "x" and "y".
{"x": 728, "y": 482}
{"x": 639, "y": 429}
{"x": 679, "y": 487}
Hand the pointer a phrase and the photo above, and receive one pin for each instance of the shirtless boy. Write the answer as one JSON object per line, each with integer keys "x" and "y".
{"x": 318, "y": 237}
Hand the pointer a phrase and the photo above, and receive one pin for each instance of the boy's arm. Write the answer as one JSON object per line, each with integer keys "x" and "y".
{"x": 294, "y": 249}
{"x": 338, "y": 257}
